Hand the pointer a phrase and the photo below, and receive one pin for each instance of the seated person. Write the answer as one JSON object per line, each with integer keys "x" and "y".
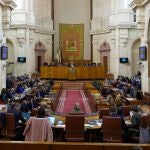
{"x": 103, "y": 91}
{"x": 76, "y": 108}
{"x": 3, "y": 95}
{"x": 25, "y": 110}
{"x": 51, "y": 82}
{"x": 135, "y": 117}
{"x": 48, "y": 111}
{"x": 118, "y": 102}
{"x": 15, "y": 108}
{"x": 41, "y": 113}
{"x": 132, "y": 91}
{"x": 133, "y": 128}
{"x": 109, "y": 97}
{"x": 40, "y": 92}
{"x": 139, "y": 95}
{"x": 11, "y": 94}
{"x": 20, "y": 88}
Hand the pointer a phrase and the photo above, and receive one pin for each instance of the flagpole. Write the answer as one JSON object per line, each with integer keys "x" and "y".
{"x": 61, "y": 53}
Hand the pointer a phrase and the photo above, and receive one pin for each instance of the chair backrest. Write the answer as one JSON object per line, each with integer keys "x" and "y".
{"x": 112, "y": 129}
{"x": 8, "y": 131}
{"x": 145, "y": 121}
{"x": 104, "y": 112}
{"x": 135, "y": 102}
{"x": 144, "y": 136}
{"x": 38, "y": 129}
{"x": 74, "y": 128}
{"x": 126, "y": 110}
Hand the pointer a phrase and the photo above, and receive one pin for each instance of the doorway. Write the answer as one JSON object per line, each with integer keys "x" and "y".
{"x": 39, "y": 55}
{"x": 39, "y": 63}
{"x": 105, "y": 63}
{"x": 135, "y": 57}
{"x": 105, "y": 56}
{"x": 10, "y": 68}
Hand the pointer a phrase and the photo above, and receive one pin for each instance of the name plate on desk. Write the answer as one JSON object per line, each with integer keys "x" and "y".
{"x": 130, "y": 99}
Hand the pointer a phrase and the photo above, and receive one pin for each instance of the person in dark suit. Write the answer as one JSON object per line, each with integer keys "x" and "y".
{"x": 139, "y": 95}
{"x": 133, "y": 128}
{"x": 51, "y": 83}
{"x": 4, "y": 95}
{"x": 135, "y": 117}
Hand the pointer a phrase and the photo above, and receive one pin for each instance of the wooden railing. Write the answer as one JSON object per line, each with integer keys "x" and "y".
{"x": 91, "y": 101}
{"x": 70, "y": 146}
{"x": 57, "y": 88}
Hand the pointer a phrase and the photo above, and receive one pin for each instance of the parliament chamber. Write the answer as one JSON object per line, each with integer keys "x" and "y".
{"x": 75, "y": 74}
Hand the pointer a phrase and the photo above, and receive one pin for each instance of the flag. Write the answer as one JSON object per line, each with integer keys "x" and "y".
{"x": 58, "y": 55}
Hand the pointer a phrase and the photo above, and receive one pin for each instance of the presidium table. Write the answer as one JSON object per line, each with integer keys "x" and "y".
{"x": 76, "y": 73}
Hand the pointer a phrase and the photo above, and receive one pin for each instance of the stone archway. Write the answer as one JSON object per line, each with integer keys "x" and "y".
{"x": 105, "y": 56}
{"x": 135, "y": 56}
{"x": 39, "y": 55}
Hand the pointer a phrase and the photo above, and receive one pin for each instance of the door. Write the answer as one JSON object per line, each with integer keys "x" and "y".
{"x": 39, "y": 63}
{"x": 105, "y": 63}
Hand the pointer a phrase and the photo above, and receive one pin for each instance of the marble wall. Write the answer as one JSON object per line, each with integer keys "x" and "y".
{"x": 73, "y": 12}
{"x": 143, "y": 26}
{"x": 31, "y": 22}
{"x": 6, "y": 7}
{"x": 113, "y": 21}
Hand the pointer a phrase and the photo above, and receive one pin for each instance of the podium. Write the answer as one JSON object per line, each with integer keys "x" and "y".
{"x": 72, "y": 74}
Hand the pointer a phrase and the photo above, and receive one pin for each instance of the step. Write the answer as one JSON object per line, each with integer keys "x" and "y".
{"x": 72, "y": 85}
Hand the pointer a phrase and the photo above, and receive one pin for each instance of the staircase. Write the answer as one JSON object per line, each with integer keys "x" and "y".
{"x": 72, "y": 85}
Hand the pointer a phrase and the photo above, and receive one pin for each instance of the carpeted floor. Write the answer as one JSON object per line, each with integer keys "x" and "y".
{"x": 68, "y": 98}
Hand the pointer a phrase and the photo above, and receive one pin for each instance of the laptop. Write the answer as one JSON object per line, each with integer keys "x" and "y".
{"x": 51, "y": 120}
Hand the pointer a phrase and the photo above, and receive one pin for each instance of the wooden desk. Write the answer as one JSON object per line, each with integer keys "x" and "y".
{"x": 61, "y": 72}
{"x": 92, "y": 133}
{"x": 72, "y": 74}
{"x": 145, "y": 109}
{"x": 133, "y": 101}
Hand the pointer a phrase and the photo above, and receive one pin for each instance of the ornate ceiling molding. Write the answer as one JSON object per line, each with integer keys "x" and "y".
{"x": 105, "y": 47}
{"x": 9, "y": 3}
{"x": 138, "y": 3}
{"x": 8, "y": 6}
{"x": 40, "y": 47}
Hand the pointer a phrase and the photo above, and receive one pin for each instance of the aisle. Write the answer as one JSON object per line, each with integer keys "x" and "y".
{"x": 68, "y": 98}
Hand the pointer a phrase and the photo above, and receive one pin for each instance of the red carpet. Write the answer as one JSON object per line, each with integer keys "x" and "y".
{"x": 69, "y": 98}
